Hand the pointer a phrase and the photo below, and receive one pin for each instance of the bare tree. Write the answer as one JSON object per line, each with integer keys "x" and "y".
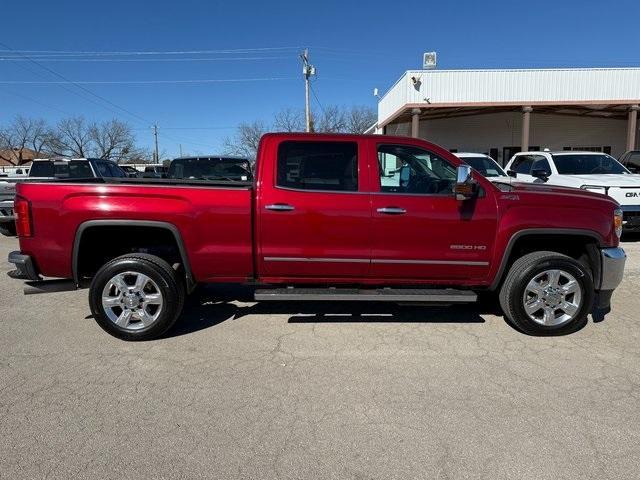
{"x": 289, "y": 120}
{"x": 72, "y": 138}
{"x": 23, "y": 133}
{"x": 360, "y": 118}
{"x": 245, "y": 142}
{"x": 112, "y": 140}
{"x": 331, "y": 119}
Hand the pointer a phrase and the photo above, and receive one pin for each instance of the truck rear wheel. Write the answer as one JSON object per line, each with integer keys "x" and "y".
{"x": 547, "y": 293}
{"x": 136, "y": 297}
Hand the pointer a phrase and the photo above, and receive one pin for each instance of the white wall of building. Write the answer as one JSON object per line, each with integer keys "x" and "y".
{"x": 480, "y": 133}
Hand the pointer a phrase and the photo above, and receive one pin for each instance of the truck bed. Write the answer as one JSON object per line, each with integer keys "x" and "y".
{"x": 214, "y": 220}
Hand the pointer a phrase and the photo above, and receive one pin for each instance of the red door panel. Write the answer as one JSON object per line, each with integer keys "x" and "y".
{"x": 437, "y": 238}
{"x": 315, "y": 213}
{"x": 420, "y": 231}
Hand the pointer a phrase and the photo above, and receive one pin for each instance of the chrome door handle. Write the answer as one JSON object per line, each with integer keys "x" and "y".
{"x": 392, "y": 210}
{"x": 280, "y": 207}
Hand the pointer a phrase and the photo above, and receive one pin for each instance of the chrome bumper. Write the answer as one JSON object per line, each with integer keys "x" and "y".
{"x": 613, "y": 260}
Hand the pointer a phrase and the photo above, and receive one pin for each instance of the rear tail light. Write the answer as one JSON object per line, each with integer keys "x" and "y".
{"x": 22, "y": 209}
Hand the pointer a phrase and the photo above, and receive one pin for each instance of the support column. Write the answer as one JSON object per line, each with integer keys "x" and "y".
{"x": 526, "y": 126}
{"x": 415, "y": 122}
{"x": 632, "y": 127}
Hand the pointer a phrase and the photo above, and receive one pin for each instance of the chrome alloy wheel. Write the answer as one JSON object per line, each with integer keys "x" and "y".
{"x": 132, "y": 300}
{"x": 552, "y": 298}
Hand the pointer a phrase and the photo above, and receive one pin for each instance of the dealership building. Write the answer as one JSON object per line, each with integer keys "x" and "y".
{"x": 501, "y": 112}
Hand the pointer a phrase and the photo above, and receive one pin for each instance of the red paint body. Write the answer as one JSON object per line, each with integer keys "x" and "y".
{"x": 228, "y": 233}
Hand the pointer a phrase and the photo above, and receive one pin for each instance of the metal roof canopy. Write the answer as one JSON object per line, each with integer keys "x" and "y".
{"x": 603, "y": 92}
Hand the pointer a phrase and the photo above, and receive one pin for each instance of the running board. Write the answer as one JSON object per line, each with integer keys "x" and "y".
{"x": 447, "y": 295}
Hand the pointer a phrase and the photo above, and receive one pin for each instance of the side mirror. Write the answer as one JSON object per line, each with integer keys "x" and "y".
{"x": 465, "y": 187}
{"x": 512, "y": 173}
{"x": 541, "y": 173}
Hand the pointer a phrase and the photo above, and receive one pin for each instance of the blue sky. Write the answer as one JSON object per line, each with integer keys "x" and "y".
{"x": 355, "y": 46}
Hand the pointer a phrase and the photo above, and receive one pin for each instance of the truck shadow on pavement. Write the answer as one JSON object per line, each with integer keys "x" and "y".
{"x": 212, "y": 305}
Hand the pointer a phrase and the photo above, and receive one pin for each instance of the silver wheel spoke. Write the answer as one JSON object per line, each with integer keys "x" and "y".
{"x": 554, "y": 278}
{"x": 549, "y": 316}
{"x": 535, "y": 287}
{"x": 124, "y": 318}
{"x": 144, "y": 317}
{"x": 141, "y": 282}
{"x": 119, "y": 283}
{"x": 153, "y": 299}
{"x": 534, "y": 306}
{"x": 570, "y": 287}
{"x": 111, "y": 301}
{"x": 569, "y": 308}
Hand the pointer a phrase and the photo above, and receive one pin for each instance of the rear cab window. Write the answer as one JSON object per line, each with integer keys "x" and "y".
{"x": 67, "y": 169}
{"x": 317, "y": 165}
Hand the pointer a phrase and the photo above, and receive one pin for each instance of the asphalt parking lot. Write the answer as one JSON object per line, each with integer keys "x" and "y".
{"x": 245, "y": 390}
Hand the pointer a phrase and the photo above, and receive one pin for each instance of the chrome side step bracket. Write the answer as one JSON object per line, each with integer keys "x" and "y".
{"x": 446, "y": 295}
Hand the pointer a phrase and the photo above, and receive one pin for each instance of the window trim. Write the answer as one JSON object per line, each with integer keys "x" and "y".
{"x": 359, "y": 157}
{"x": 379, "y": 178}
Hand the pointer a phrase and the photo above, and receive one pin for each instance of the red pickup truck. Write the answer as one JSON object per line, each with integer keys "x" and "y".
{"x": 328, "y": 217}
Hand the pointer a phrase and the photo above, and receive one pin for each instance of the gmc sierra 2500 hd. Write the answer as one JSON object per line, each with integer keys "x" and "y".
{"x": 335, "y": 217}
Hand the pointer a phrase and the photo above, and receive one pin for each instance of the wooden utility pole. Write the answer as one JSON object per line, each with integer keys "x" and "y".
{"x": 156, "y": 158}
{"x": 307, "y": 71}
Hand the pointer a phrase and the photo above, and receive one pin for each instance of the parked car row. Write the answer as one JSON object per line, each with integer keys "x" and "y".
{"x": 203, "y": 168}
{"x": 592, "y": 171}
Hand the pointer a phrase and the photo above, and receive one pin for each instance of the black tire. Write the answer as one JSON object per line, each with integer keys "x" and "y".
{"x": 8, "y": 229}
{"x": 527, "y": 268}
{"x": 169, "y": 284}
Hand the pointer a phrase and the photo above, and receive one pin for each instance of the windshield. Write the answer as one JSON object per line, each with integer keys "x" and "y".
{"x": 486, "y": 166}
{"x": 211, "y": 169}
{"x": 72, "y": 169}
{"x": 576, "y": 164}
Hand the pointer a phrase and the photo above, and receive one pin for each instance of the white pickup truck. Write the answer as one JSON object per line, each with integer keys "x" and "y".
{"x": 593, "y": 171}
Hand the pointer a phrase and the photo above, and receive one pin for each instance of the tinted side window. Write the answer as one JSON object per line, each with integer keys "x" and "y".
{"x": 42, "y": 169}
{"x": 318, "y": 166}
{"x": 523, "y": 164}
{"x": 103, "y": 169}
{"x": 541, "y": 164}
{"x": 115, "y": 171}
{"x": 79, "y": 169}
{"x": 632, "y": 162}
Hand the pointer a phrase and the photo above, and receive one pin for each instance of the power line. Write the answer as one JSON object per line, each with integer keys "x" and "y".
{"x": 106, "y": 60}
{"x": 313, "y": 91}
{"x": 143, "y": 52}
{"x": 66, "y": 80}
{"x": 142, "y": 82}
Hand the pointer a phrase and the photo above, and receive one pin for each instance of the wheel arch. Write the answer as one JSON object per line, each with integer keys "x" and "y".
{"x": 590, "y": 242}
{"x": 166, "y": 227}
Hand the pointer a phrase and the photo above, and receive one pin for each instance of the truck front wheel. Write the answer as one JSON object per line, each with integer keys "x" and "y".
{"x": 547, "y": 293}
{"x": 136, "y": 297}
